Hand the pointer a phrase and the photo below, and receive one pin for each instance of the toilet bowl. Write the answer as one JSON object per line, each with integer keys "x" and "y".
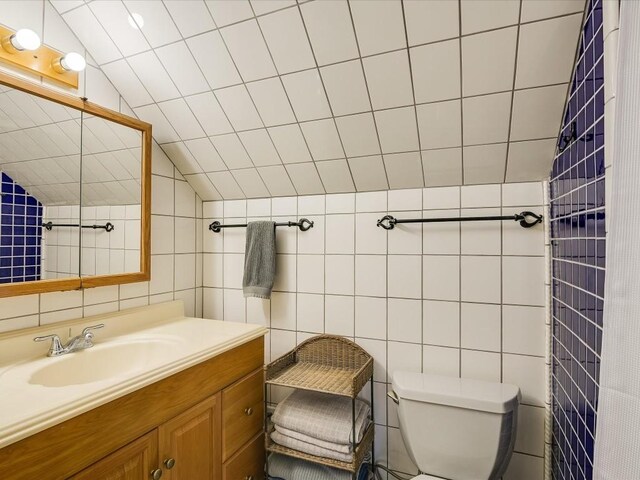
{"x": 455, "y": 428}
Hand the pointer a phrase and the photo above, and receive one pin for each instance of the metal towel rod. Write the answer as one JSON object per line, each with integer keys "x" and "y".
{"x": 303, "y": 224}
{"x": 518, "y": 217}
{"x": 107, "y": 227}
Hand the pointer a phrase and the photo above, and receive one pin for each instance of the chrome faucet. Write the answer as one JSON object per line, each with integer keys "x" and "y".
{"x": 79, "y": 342}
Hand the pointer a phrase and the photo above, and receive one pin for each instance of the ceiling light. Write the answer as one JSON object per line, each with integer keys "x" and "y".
{"x": 23, "y": 39}
{"x": 72, "y": 61}
{"x": 136, "y": 21}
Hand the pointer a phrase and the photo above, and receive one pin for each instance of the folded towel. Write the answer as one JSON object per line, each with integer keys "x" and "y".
{"x": 337, "y": 447}
{"x": 259, "y": 259}
{"x": 290, "y": 468}
{"x": 322, "y": 416}
{"x": 309, "y": 448}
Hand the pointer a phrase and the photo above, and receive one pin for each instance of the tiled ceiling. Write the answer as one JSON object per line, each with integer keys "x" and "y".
{"x": 40, "y": 148}
{"x": 277, "y": 97}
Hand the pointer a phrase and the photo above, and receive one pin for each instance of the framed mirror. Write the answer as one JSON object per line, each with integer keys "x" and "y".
{"x": 111, "y": 197}
{"x": 76, "y": 192}
{"x": 40, "y": 164}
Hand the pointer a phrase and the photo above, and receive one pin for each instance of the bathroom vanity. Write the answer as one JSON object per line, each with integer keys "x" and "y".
{"x": 158, "y": 396}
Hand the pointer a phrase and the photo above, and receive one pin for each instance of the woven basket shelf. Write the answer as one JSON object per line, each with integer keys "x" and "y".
{"x": 325, "y": 363}
{"x": 361, "y": 451}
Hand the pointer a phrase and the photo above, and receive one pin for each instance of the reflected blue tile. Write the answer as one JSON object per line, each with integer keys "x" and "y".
{"x": 600, "y": 164}
{"x": 20, "y": 215}
{"x": 599, "y": 43}
{"x": 588, "y": 29}
{"x": 599, "y": 73}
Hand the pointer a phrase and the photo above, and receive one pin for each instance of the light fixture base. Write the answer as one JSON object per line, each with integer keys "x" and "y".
{"x": 7, "y": 45}
{"x": 39, "y": 62}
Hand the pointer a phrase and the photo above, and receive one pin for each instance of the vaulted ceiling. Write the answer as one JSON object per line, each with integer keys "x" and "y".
{"x": 277, "y": 97}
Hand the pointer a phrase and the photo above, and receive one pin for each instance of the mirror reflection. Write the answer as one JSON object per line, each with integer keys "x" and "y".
{"x": 40, "y": 147}
{"x": 111, "y": 195}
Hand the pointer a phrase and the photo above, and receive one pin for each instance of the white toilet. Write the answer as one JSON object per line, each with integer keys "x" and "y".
{"x": 456, "y": 428}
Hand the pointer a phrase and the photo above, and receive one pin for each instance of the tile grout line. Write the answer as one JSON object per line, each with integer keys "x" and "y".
{"x": 513, "y": 94}
{"x": 460, "y": 231}
{"x": 326, "y": 96}
{"x": 461, "y": 99}
{"x": 413, "y": 93}
{"x": 256, "y": 108}
{"x": 366, "y": 84}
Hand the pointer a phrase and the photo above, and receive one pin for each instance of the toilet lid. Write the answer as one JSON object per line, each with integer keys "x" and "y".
{"x": 426, "y": 477}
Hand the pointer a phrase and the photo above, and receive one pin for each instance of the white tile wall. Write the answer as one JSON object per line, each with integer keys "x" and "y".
{"x": 453, "y": 299}
{"x": 380, "y": 54}
{"x": 176, "y": 210}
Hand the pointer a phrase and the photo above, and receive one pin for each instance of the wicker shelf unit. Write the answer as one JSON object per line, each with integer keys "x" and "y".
{"x": 329, "y": 364}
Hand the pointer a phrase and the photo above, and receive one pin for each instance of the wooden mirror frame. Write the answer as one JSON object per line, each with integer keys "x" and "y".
{"x": 76, "y": 283}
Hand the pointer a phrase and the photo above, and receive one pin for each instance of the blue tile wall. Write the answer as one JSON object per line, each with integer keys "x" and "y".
{"x": 20, "y": 233}
{"x": 578, "y": 259}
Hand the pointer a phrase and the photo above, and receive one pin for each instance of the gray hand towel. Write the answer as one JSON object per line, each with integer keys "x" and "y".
{"x": 259, "y": 260}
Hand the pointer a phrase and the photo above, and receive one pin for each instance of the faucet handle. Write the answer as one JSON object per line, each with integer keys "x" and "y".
{"x": 56, "y": 346}
{"x": 92, "y": 327}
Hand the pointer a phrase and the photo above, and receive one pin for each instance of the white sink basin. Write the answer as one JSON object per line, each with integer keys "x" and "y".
{"x": 103, "y": 362}
{"x": 136, "y": 348}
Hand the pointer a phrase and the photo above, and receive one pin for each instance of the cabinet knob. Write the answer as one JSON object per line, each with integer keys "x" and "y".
{"x": 248, "y": 477}
{"x": 248, "y": 411}
{"x": 170, "y": 463}
{"x": 156, "y": 474}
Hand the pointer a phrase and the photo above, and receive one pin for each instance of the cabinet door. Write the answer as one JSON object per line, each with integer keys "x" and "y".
{"x": 190, "y": 447}
{"x": 132, "y": 462}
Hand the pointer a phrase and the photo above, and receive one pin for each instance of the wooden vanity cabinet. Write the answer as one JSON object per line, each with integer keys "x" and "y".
{"x": 193, "y": 446}
{"x": 248, "y": 463}
{"x": 190, "y": 443}
{"x": 189, "y": 447}
{"x": 242, "y": 423}
{"x": 132, "y": 462}
{"x": 205, "y": 423}
{"x": 243, "y": 417}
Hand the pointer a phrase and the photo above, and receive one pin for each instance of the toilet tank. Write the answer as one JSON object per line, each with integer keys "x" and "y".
{"x": 457, "y": 428}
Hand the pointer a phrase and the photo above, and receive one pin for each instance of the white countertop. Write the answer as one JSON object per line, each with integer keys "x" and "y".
{"x": 179, "y": 343}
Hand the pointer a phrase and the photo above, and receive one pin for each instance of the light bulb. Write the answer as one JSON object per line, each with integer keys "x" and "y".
{"x": 136, "y": 21}
{"x": 73, "y": 61}
{"x": 25, "y": 39}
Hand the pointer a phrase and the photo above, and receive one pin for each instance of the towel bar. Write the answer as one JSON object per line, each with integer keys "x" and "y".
{"x": 303, "y": 224}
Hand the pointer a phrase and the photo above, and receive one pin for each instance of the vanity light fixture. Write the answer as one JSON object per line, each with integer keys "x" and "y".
{"x": 136, "y": 21}
{"x": 23, "y": 49}
{"x": 71, "y": 62}
{"x": 23, "y": 39}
